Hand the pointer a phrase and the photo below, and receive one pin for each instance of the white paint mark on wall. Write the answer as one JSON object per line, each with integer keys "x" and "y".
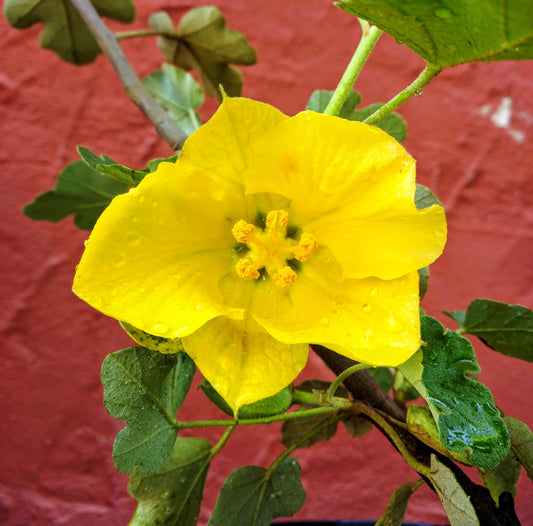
{"x": 502, "y": 116}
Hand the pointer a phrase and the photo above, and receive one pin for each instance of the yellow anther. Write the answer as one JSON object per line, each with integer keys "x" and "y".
{"x": 285, "y": 277}
{"x": 277, "y": 218}
{"x": 241, "y": 230}
{"x": 306, "y": 247}
{"x": 246, "y": 269}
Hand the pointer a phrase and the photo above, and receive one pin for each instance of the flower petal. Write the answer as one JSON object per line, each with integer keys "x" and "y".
{"x": 221, "y": 148}
{"x": 352, "y": 186}
{"x": 156, "y": 255}
{"x": 369, "y": 320}
{"x": 242, "y": 361}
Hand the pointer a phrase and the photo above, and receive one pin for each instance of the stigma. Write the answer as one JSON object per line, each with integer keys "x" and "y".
{"x": 270, "y": 249}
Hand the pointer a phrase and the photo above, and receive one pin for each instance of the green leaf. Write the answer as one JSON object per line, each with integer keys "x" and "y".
{"x": 357, "y": 426}
{"x": 294, "y": 430}
{"x": 253, "y": 496}
{"x": 80, "y": 191}
{"x": 146, "y": 389}
{"x": 398, "y": 504}
{"x": 273, "y": 405}
{"x": 456, "y": 502}
{"x": 423, "y": 281}
{"x": 64, "y": 30}
{"x": 106, "y": 166}
{"x": 505, "y": 328}
{"x": 174, "y": 494}
{"x": 457, "y": 315}
{"x": 424, "y": 197}
{"x": 463, "y": 408}
{"x": 178, "y": 93}
{"x": 154, "y": 343}
{"x": 450, "y": 32}
{"x": 320, "y": 99}
{"x": 421, "y": 424}
{"x": 503, "y": 477}
{"x": 521, "y": 443}
{"x": 393, "y": 123}
{"x": 383, "y": 376}
{"x": 203, "y": 42}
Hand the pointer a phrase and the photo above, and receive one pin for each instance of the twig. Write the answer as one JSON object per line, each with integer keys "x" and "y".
{"x": 168, "y": 129}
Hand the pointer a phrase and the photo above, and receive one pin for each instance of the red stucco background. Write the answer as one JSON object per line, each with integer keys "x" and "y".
{"x": 55, "y": 435}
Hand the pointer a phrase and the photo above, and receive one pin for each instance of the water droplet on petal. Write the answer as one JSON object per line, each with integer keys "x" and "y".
{"x": 440, "y": 233}
{"x": 374, "y": 292}
{"x": 161, "y": 328}
{"x": 367, "y": 308}
{"x": 86, "y": 242}
{"x": 324, "y": 322}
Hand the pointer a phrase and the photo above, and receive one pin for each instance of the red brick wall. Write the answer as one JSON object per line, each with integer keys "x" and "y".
{"x": 56, "y": 437}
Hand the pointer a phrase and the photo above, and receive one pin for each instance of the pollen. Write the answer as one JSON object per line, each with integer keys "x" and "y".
{"x": 277, "y": 218}
{"x": 285, "y": 277}
{"x": 246, "y": 269}
{"x": 306, "y": 247}
{"x": 241, "y": 230}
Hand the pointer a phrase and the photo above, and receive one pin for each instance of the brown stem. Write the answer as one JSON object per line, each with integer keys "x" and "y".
{"x": 364, "y": 389}
{"x": 168, "y": 129}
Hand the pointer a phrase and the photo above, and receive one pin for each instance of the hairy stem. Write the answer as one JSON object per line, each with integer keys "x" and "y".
{"x": 365, "y": 47}
{"x": 167, "y": 128}
{"x": 415, "y": 88}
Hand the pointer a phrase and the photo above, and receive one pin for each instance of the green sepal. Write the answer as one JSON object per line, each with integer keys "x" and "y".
{"x": 253, "y": 496}
{"x": 106, "y": 166}
{"x": 393, "y": 123}
{"x": 145, "y": 389}
{"x": 463, "y": 408}
{"x": 451, "y": 32}
{"x": 64, "y": 31}
{"x": 79, "y": 190}
{"x": 173, "y": 495}
{"x": 154, "y": 343}
{"x": 178, "y": 93}
{"x": 203, "y": 42}
{"x": 273, "y": 405}
{"x": 507, "y": 329}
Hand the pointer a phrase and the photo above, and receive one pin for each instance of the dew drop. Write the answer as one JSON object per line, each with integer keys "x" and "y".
{"x": 440, "y": 233}
{"x": 395, "y": 326}
{"x": 86, "y": 242}
{"x": 418, "y": 93}
{"x": 324, "y": 322}
{"x": 442, "y": 12}
{"x": 374, "y": 292}
{"x": 367, "y": 308}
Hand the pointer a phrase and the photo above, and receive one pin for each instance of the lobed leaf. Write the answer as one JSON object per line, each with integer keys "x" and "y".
{"x": 80, "y": 191}
{"x": 451, "y": 32}
{"x": 106, "y": 166}
{"x": 320, "y": 99}
{"x": 173, "y": 495}
{"x": 145, "y": 389}
{"x": 462, "y": 407}
{"x": 253, "y": 496}
{"x": 507, "y": 329}
{"x": 178, "y": 93}
{"x": 203, "y": 42}
{"x": 64, "y": 31}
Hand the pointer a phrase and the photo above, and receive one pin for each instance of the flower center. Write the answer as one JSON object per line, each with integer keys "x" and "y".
{"x": 270, "y": 249}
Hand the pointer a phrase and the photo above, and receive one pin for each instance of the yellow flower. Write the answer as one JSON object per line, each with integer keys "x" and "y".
{"x": 269, "y": 233}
